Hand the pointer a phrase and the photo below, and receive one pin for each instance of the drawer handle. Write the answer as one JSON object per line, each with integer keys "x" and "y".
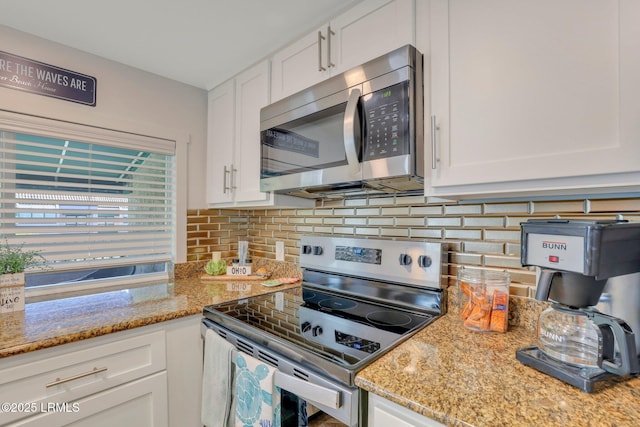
{"x": 59, "y": 381}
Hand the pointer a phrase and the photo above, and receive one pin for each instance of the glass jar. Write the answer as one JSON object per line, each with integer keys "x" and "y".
{"x": 483, "y": 299}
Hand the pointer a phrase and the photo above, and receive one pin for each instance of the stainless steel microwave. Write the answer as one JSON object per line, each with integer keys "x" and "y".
{"x": 360, "y": 132}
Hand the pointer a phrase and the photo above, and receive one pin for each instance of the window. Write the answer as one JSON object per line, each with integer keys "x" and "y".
{"x": 98, "y": 204}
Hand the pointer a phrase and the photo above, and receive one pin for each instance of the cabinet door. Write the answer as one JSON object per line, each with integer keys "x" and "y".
{"x": 252, "y": 93}
{"x": 136, "y": 404}
{"x": 384, "y": 413}
{"x": 299, "y": 65}
{"x": 540, "y": 95}
{"x": 362, "y": 33}
{"x": 371, "y": 29}
{"x": 70, "y": 372}
{"x": 220, "y": 142}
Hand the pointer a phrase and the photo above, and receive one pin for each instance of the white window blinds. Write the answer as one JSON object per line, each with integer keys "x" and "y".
{"x": 106, "y": 200}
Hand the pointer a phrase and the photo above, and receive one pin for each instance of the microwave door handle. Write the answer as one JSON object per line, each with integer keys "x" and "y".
{"x": 350, "y": 123}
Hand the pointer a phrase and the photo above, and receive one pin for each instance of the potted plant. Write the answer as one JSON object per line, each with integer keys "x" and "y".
{"x": 14, "y": 260}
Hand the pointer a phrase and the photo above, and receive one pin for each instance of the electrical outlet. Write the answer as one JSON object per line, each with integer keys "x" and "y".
{"x": 279, "y": 250}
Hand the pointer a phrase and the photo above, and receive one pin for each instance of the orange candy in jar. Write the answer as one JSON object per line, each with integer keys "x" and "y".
{"x": 484, "y": 299}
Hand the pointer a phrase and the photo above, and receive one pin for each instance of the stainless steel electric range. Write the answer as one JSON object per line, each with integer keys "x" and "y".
{"x": 359, "y": 298}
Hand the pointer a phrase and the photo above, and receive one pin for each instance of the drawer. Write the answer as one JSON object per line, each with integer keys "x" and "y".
{"x": 141, "y": 403}
{"x": 72, "y": 371}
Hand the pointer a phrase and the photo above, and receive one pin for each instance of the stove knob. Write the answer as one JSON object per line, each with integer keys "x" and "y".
{"x": 424, "y": 261}
{"x": 317, "y": 330}
{"x": 306, "y": 249}
{"x": 317, "y": 250}
{"x": 404, "y": 259}
{"x": 306, "y": 326}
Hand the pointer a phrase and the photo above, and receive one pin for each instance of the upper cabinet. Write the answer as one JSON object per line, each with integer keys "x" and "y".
{"x": 220, "y": 142}
{"x": 233, "y": 142}
{"x": 366, "y": 31}
{"x": 538, "y": 97}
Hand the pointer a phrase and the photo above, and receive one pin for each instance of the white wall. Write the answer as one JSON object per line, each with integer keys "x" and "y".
{"x": 128, "y": 99}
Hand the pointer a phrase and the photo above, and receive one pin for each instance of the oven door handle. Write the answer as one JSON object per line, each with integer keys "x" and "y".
{"x": 309, "y": 391}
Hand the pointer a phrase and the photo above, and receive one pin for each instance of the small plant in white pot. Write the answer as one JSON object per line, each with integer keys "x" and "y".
{"x": 14, "y": 260}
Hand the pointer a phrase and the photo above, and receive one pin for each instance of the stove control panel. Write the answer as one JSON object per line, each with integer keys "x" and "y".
{"x": 414, "y": 262}
{"x": 358, "y": 254}
{"x": 356, "y": 342}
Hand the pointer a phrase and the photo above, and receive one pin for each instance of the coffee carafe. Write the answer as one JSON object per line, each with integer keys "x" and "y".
{"x": 577, "y": 343}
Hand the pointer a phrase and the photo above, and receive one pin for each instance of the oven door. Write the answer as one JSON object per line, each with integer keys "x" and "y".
{"x": 318, "y": 392}
{"x": 316, "y": 144}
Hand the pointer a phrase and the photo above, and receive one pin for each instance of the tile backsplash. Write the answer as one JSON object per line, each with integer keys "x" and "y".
{"x": 477, "y": 234}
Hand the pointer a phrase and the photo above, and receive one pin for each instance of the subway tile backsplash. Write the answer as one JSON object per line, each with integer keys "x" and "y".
{"x": 482, "y": 235}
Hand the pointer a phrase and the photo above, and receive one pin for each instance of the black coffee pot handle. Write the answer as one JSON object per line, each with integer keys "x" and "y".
{"x": 625, "y": 338}
{"x": 544, "y": 284}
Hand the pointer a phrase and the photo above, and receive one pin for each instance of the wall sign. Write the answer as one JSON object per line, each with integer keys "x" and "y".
{"x": 31, "y": 76}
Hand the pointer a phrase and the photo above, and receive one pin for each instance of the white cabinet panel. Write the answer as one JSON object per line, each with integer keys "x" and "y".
{"x": 371, "y": 29}
{"x": 297, "y": 66}
{"x": 252, "y": 93}
{"x": 136, "y": 404}
{"x": 384, "y": 413}
{"x": 184, "y": 370}
{"x": 364, "y": 32}
{"x": 233, "y": 143}
{"x": 534, "y": 96}
{"x": 64, "y": 376}
{"x": 220, "y": 141}
{"x": 233, "y": 138}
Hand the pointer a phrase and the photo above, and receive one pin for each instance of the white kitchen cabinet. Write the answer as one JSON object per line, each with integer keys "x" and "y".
{"x": 220, "y": 142}
{"x": 384, "y": 413}
{"x": 233, "y": 137}
{"x": 61, "y": 383}
{"x": 364, "y": 32}
{"x": 153, "y": 377}
{"x": 184, "y": 370}
{"x": 138, "y": 403}
{"x": 233, "y": 142}
{"x": 532, "y": 98}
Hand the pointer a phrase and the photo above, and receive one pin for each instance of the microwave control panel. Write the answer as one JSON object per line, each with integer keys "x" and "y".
{"x": 386, "y": 124}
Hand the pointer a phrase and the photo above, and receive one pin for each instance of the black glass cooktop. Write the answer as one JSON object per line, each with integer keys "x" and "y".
{"x": 377, "y": 316}
{"x": 342, "y": 329}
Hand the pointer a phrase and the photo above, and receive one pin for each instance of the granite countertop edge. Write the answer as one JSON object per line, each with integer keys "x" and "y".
{"x": 63, "y": 320}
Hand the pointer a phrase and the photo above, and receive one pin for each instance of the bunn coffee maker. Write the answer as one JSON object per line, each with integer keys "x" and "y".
{"x": 577, "y": 343}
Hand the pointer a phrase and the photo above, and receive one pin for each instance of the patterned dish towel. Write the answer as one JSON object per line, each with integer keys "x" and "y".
{"x": 257, "y": 401}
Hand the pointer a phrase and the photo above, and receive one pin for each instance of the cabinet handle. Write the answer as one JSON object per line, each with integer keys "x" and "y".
{"x": 233, "y": 178}
{"x": 320, "y": 38}
{"x": 434, "y": 130}
{"x": 59, "y": 381}
{"x": 225, "y": 187}
{"x": 329, "y": 34}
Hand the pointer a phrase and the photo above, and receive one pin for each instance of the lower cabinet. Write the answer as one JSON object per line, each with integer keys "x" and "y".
{"x": 148, "y": 376}
{"x": 138, "y": 403}
{"x": 384, "y": 413}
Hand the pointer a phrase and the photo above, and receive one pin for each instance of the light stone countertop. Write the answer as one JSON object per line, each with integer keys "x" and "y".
{"x": 464, "y": 378}
{"x": 62, "y": 320}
